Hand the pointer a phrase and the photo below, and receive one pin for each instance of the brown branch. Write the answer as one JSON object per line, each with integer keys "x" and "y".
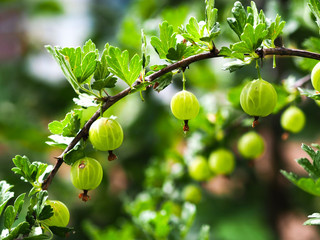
{"x": 262, "y": 52}
{"x": 110, "y": 100}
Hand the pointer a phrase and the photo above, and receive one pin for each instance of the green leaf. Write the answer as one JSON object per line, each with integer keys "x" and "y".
{"x": 240, "y": 18}
{"x": 5, "y": 194}
{"x": 178, "y": 53}
{"x": 275, "y": 29}
{"x": 306, "y": 184}
{"x": 314, "y": 219}
{"x": 84, "y": 100}
{"x": 22, "y": 228}
{"x": 18, "y": 203}
{"x": 314, "y": 6}
{"x": 204, "y": 232}
{"x": 163, "y": 81}
{"x": 68, "y": 127}
{"x": 65, "y": 67}
{"x": 211, "y": 14}
{"x": 61, "y": 231}
{"x": 166, "y": 41}
{"x": 30, "y": 172}
{"x": 9, "y": 217}
{"x": 235, "y": 65}
{"x": 59, "y": 141}
{"x": 120, "y": 66}
{"x": 305, "y": 163}
{"x": 42, "y": 210}
{"x": 75, "y": 154}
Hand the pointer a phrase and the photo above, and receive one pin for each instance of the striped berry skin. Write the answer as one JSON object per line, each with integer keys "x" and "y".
{"x": 106, "y": 134}
{"x": 61, "y": 215}
{"x": 184, "y": 105}
{"x": 258, "y": 98}
{"x": 315, "y": 77}
{"x": 86, "y": 173}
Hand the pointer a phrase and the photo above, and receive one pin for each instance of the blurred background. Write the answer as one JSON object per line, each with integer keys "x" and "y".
{"x": 255, "y": 202}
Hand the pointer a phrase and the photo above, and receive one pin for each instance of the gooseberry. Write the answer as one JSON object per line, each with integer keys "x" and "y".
{"x": 184, "y": 106}
{"x": 251, "y": 145}
{"x": 199, "y": 169}
{"x": 106, "y": 134}
{"x": 293, "y": 119}
{"x": 222, "y": 161}
{"x": 61, "y": 215}
{"x": 315, "y": 77}
{"x": 258, "y": 98}
{"x": 192, "y": 193}
{"x": 86, "y": 174}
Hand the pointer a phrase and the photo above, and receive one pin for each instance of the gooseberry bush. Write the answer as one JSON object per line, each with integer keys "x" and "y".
{"x": 167, "y": 205}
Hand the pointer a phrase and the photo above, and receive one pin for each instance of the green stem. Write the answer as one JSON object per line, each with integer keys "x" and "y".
{"x": 258, "y": 69}
{"x": 183, "y": 81}
{"x": 274, "y": 61}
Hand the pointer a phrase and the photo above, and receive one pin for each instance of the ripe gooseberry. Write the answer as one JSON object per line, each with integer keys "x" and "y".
{"x": 293, "y": 119}
{"x": 184, "y": 106}
{"x": 106, "y": 134}
{"x": 222, "y": 161}
{"x": 258, "y": 98}
{"x": 61, "y": 215}
{"x": 251, "y": 145}
{"x": 86, "y": 174}
{"x": 192, "y": 193}
{"x": 315, "y": 77}
{"x": 199, "y": 169}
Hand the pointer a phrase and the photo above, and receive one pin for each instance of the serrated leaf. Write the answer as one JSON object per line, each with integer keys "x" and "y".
{"x": 306, "y": 184}
{"x": 65, "y": 67}
{"x": 314, "y": 6}
{"x": 163, "y": 81}
{"x": 275, "y": 29}
{"x": 41, "y": 209}
{"x": 306, "y": 164}
{"x": 178, "y": 53}
{"x": 88, "y": 66}
{"x": 68, "y": 127}
{"x": 5, "y": 194}
{"x": 120, "y": 66}
{"x": 240, "y": 18}
{"x": 9, "y": 217}
{"x": 166, "y": 41}
{"x": 22, "y": 228}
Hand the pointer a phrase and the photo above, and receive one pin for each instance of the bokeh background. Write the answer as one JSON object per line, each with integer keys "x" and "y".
{"x": 256, "y": 202}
